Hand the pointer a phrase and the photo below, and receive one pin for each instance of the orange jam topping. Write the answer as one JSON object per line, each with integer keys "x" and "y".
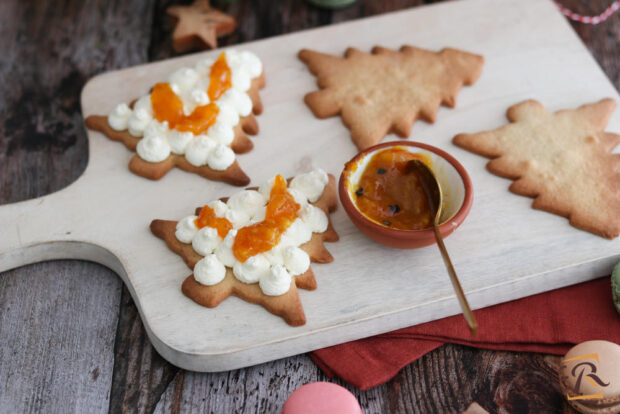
{"x": 199, "y": 120}
{"x": 261, "y": 237}
{"x": 207, "y": 218}
{"x": 167, "y": 106}
{"x": 221, "y": 78}
{"x": 389, "y": 195}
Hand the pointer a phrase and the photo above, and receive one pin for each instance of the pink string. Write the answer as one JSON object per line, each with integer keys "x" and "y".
{"x": 590, "y": 19}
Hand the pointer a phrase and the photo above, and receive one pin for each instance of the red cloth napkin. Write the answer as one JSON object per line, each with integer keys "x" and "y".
{"x": 550, "y": 322}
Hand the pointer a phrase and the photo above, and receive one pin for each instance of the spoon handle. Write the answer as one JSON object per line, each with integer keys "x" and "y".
{"x": 467, "y": 313}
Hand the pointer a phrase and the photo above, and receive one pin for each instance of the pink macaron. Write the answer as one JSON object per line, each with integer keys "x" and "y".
{"x": 321, "y": 398}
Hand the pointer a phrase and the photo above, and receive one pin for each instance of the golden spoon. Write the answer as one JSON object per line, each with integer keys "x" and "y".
{"x": 434, "y": 198}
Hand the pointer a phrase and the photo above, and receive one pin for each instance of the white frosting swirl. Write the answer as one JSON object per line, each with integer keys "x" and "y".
{"x": 237, "y": 218}
{"x": 275, "y": 256}
{"x": 252, "y": 270}
{"x": 298, "y": 233}
{"x": 186, "y": 229}
{"x": 206, "y": 240}
{"x": 209, "y": 270}
{"x": 144, "y": 104}
{"x": 203, "y": 67}
{"x": 221, "y": 157}
{"x": 203, "y": 84}
{"x": 314, "y": 218}
{"x": 155, "y": 128}
{"x": 259, "y": 215}
{"x": 233, "y": 59}
{"x": 119, "y": 117}
{"x": 277, "y": 282}
{"x": 311, "y": 184}
{"x": 240, "y": 77}
{"x": 247, "y": 201}
{"x": 179, "y": 141}
{"x": 199, "y": 96}
{"x": 298, "y": 196}
{"x": 224, "y": 251}
{"x": 240, "y": 80}
{"x": 222, "y": 133}
{"x": 296, "y": 260}
{"x": 219, "y": 208}
{"x": 199, "y": 149}
{"x": 238, "y": 100}
{"x": 251, "y": 63}
{"x": 183, "y": 79}
{"x": 265, "y": 188}
{"x": 138, "y": 121}
{"x": 153, "y": 148}
{"x": 227, "y": 114}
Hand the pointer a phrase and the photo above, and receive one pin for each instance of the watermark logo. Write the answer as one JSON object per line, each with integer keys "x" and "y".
{"x": 584, "y": 371}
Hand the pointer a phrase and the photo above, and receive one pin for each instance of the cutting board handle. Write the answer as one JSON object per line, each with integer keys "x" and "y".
{"x": 38, "y": 230}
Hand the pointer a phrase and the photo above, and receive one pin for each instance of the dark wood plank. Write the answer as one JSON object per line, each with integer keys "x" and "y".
{"x": 261, "y": 19}
{"x": 451, "y": 377}
{"x": 259, "y": 389}
{"x": 50, "y": 49}
{"x": 57, "y": 326}
{"x": 446, "y": 380}
{"x": 140, "y": 375}
{"x": 59, "y": 320}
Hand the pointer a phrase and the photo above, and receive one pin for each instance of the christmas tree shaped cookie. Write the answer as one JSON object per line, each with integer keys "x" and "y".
{"x": 386, "y": 91}
{"x": 257, "y": 244}
{"x": 561, "y": 159}
{"x": 198, "y": 120}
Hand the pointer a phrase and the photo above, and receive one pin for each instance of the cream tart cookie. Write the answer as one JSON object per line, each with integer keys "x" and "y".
{"x": 257, "y": 244}
{"x": 198, "y": 120}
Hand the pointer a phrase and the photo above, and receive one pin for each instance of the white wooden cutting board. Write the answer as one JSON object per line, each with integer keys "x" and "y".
{"x": 505, "y": 250}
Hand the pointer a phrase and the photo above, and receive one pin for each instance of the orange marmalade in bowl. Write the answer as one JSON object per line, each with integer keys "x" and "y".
{"x": 390, "y": 196}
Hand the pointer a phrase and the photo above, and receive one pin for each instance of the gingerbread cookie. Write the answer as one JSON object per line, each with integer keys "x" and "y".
{"x": 258, "y": 244}
{"x": 387, "y": 90}
{"x": 560, "y": 159}
{"x": 198, "y": 26}
{"x": 197, "y": 121}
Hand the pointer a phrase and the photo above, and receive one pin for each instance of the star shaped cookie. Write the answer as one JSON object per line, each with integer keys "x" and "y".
{"x": 286, "y": 305}
{"x": 386, "y": 91}
{"x": 198, "y": 26}
{"x": 563, "y": 160}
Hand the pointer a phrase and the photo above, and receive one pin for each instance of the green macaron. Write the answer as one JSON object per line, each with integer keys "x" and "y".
{"x": 615, "y": 286}
{"x": 332, "y": 4}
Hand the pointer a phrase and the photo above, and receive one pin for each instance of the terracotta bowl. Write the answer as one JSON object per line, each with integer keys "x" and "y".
{"x": 455, "y": 184}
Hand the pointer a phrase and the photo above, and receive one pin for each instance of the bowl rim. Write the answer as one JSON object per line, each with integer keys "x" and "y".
{"x": 458, "y": 218}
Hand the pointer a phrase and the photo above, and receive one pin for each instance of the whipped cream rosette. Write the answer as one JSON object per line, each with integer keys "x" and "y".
{"x": 257, "y": 244}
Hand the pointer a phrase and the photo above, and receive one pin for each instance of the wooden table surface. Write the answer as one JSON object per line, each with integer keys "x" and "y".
{"x": 71, "y": 339}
